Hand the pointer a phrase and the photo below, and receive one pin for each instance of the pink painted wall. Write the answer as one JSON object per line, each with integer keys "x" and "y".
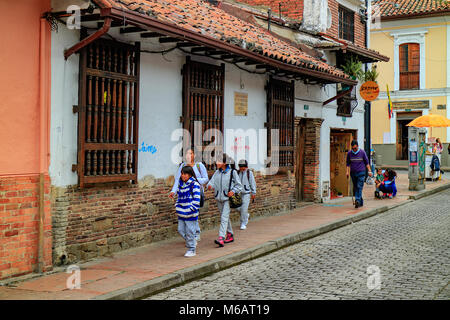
{"x": 19, "y": 85}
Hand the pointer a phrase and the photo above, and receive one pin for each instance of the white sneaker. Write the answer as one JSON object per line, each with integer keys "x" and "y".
{"x": 243, "y": 227}
{"x": 190, "y": 253}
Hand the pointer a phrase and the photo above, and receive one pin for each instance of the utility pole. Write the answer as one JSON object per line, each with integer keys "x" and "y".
{"x": 367, "y": 104}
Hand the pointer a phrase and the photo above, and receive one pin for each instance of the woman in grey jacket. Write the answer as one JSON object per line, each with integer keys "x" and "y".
{"x": 220, "y": 182}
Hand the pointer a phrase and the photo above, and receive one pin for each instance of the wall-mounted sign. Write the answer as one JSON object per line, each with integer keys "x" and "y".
{"x": 369, "y": 90}
{"x": 417, "y": 104}
{"x": 240, "y": 104}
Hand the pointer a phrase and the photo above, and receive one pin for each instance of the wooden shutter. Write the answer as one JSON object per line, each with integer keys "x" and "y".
{"x": 409, "y": 56}
{"x": 280, "y": 115}
{"x": 203, "y": 97}
{"x": 108, "y": 112}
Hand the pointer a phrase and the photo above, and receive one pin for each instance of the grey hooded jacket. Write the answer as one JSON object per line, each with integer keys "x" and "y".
{"x": 220, "y": 182}
{"x": 248, "y": 181}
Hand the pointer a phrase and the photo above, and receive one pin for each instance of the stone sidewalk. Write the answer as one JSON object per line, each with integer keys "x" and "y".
{"x": 138, "y": 272}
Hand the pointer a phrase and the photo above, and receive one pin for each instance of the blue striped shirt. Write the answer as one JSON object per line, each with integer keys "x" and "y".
{"x": 188, "y": 202}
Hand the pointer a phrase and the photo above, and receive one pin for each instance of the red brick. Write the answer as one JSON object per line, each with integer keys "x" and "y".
{"x": 11, "y": 233}
{"x": 5, "y": 266}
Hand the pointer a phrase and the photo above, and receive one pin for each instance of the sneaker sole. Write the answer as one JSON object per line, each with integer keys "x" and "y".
{"x": 217, "y": 242}
{"x": 228, "y": 241}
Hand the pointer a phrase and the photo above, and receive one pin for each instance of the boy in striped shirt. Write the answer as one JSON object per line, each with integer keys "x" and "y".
{"x": 187, "y": 207}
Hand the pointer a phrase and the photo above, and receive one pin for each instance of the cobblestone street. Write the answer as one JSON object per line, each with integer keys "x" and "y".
{"x": 410, "y": 245}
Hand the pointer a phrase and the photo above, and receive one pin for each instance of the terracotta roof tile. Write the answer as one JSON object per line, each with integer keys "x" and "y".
{"x": 203, "y": 18}
{"x": 398, "y": 8}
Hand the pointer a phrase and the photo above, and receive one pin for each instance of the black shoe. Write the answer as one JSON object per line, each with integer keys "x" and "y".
{"x": 377, "y": 194}
{"x": 357, "y": 205}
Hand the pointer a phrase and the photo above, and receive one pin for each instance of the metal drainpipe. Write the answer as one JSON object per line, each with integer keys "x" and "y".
{"x": 42, "y": 139}
{"x": 88, "y": 40}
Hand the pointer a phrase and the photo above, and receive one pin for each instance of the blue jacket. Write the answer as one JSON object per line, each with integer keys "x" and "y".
{"x": 188, "y": 201}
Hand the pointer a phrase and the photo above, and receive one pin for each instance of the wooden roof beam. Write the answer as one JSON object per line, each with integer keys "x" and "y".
{"x": 169, "y": 40}
{"x": 229, "y": 56}
{"x": 151, "y": 35}
{"x": 131, "y": 30}
{"x": 199, "y": 49}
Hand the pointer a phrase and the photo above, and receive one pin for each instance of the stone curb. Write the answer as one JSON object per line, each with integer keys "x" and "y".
{"x": 429, "y": 192}
{"x": 201, "y": 270}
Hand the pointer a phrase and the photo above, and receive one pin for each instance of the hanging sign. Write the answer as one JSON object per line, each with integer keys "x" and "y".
{"x": 369, "y": 90}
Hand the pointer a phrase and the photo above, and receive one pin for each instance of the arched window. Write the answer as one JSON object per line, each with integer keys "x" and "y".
{"x": 409, "y": 66}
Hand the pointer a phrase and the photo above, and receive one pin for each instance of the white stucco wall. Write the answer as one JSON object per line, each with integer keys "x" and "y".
{"x": 64, "y": 95}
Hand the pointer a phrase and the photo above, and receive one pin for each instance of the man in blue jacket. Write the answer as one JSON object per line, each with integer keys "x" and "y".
{"x": 357, "y": 163}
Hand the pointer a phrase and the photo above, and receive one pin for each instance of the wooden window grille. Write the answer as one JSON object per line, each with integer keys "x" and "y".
{"x": 346, "y": 24}
{"x": 409, "y": 66}
{"x": 203, "y": 99}
{"x": 280, "y": 115}
{"x": 108, "y": 112}
{"x": 347, "y": 103}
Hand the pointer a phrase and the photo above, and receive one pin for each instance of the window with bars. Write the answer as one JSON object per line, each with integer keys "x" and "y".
{"x": 409, "y": 66}
{"x": 346, "y": 24}
{"x": 280, "y": 115}
{"x": 108, "y": 112}
{"x": 203, "y": 99}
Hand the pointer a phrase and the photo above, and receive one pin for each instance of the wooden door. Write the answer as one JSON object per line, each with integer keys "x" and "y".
{"x": 339, "y": 145}
{"x": 398, "y": 144}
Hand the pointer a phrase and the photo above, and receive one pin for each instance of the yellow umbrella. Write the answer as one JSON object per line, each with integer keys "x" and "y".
{"x": 430, "y": 121}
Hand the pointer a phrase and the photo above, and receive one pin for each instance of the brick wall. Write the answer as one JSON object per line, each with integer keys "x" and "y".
{"x": 105, "y": 219}
{"x": 289, "y": 8}
{"x": 312, "y": 148}
{"x": 19, "y": 225}
{"x": 360, "y": 27}
{"x": 311, "y": 179}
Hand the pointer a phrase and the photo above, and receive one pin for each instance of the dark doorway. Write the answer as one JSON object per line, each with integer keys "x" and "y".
{"x": 403, "y": 118}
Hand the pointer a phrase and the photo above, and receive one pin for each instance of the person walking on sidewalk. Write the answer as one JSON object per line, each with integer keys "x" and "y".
{"x": 187, "y": 207}
{"x": 357, "y": 163}
{"x": 220, "y": 182}
{"x": 249, "y": 192}
{"x": 200, "y": 173}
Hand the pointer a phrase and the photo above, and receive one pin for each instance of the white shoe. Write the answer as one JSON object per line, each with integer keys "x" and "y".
{"x": 190, "y": 253}
{"x": 243, "y": 227}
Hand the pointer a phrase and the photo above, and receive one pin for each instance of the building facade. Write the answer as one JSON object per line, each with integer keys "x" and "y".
{"x": 416, "y": 35}
{"x": 25, "y": 222}
{"x": 128, "y": 77}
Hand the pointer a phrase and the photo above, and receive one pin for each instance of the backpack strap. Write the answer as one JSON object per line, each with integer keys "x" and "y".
{"x": 231, "y": 178}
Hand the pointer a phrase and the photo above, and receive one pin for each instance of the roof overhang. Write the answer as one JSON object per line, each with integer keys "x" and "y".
{"x": 190, "y": 40}
{"x": 184, "y": 35}
{"x": 364, "y": 55}
{"x": 439, "y": 13}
